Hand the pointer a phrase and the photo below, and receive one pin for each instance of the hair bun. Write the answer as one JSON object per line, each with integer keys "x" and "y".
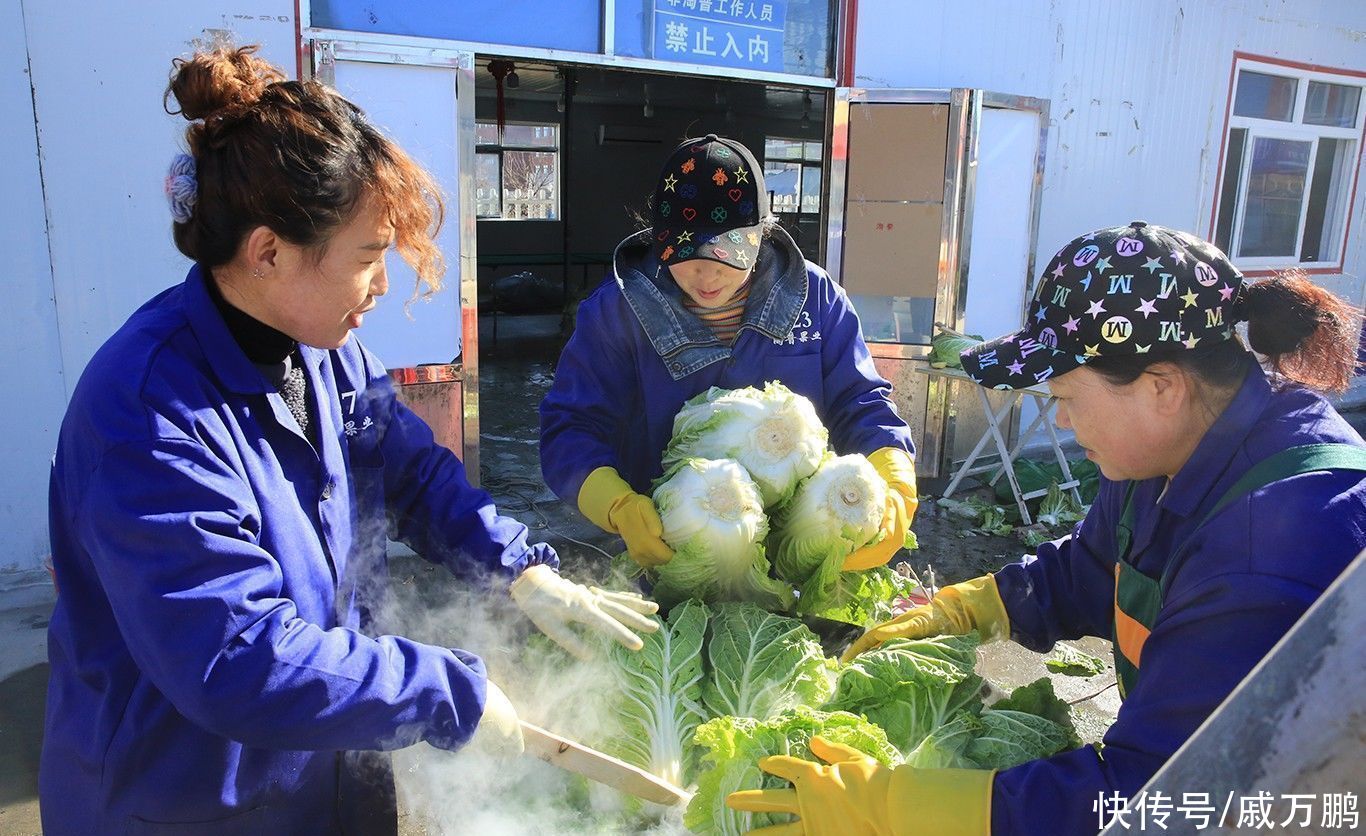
{"x": 224, "y": 79}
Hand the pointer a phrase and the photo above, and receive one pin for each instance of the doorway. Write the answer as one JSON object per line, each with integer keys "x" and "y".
{"x": 571, "y": 172}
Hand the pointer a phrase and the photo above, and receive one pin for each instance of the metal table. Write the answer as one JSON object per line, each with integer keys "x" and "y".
{"x": 1045, "y": 402}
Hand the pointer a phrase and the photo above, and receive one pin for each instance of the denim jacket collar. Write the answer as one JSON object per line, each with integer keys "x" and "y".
{"x": 682, "y": 341}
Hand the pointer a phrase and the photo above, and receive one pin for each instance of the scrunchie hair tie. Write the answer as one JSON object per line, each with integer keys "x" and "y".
{"x": 181, "y": 187}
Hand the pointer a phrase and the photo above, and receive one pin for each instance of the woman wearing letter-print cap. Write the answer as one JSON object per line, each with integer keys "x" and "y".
{"x": 714, "y": 293}
{"x": 1231, "y": 496}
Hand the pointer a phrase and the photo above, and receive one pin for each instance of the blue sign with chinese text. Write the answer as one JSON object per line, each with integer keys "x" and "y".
{"x": 726, "y": 33}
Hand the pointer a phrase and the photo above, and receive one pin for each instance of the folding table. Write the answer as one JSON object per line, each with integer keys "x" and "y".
{"x": 1045, "y": 402}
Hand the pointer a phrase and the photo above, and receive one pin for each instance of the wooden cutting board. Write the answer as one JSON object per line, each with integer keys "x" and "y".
{"x": 596, "y": 766}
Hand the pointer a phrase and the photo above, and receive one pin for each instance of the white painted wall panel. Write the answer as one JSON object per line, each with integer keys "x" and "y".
{"x": 31, "y": 377}
{"x": 90, "y": 240}
{"x": 1138, "y": 91}
{"x": 99, "y": 71}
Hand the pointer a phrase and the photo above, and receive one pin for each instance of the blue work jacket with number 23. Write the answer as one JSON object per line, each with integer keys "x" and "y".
{"x": 637, "y": 355}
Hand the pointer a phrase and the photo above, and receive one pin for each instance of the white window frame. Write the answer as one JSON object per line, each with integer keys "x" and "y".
{"x": 501, "y": 147}
{"x": 1294, "y": 130}
{"x": 802, "y": 164}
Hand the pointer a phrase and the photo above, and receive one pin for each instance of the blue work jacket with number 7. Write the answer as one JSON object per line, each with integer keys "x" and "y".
{"x": 208, "y": 661}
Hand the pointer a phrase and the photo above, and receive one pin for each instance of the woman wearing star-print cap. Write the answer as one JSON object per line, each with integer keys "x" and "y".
{"x": 714, "y": 293}
{"x": 1232, "y": 494}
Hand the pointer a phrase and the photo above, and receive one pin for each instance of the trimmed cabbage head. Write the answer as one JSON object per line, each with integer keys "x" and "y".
{"x": 839, "y": 509}
{"x": 714, "y": 521}
{"x": 773, "y": 433}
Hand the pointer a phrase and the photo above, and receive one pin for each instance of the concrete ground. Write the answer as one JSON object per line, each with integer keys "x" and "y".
{"x": 515, "y": 375}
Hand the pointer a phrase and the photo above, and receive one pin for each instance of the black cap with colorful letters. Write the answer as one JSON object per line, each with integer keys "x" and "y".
{"x": 1136, "y": 289}
{"x": 710, "y": 203}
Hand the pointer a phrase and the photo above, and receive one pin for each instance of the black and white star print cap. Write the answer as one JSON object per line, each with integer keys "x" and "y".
{"x": 1133, "y": 289}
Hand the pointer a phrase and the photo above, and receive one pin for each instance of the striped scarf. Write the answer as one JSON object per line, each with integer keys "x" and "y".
{"x": 724, "y": 321}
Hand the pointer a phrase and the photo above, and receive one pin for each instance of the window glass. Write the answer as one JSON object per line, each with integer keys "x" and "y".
{"x": 811, "y": 189}
{"x": 519, "y": 178}
{"x": 1275, "y": 193}
{"x": 793, "y": 183}
{"x": 488, "y": 187}
{"x": 1263, "y": 96}
{"x": 784, "y": 183}
{"x": 1290, "y": 159}
{"x": 1327, "y": 211}
{"x": 486, "y": 133}
{"x": 529, "y": 184}
{"x": 530, "y": 136}
{"x": 1334, "y": 105}
{"x": 782, "y": 149}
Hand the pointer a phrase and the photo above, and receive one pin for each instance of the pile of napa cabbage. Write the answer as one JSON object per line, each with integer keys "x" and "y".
{"x": 719, "y": 687}
{"x": 757, "y": 508}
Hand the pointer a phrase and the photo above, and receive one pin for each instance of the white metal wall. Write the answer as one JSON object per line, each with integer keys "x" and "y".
{"x": 31, "y": 376}
{"x": 83, "y": 222}
{"x": 1138, "y": 90}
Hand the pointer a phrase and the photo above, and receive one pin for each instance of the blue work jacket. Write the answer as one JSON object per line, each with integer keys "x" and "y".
{"x": 1242, "y": 581}
{"x": 637, "y": 355}
{"x": 208, "y": 661}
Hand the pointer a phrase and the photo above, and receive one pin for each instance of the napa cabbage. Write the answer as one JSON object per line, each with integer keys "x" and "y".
{"x": 833, "y": 513}
{"x": 773, "y": 433}
{"x": 760, "y": 664}
{"x": 714, "y": 520}
{"x": 732, "y": 747}
{"x": 910, "y": 687}
{"x": 659, "y": 695}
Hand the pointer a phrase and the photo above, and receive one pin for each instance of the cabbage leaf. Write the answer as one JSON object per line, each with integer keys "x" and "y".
{"x": 733, "y": 746}
{"x": 910, "y": 687}
{"x": 760, "y": 665}
{"x": 659, "y": 695}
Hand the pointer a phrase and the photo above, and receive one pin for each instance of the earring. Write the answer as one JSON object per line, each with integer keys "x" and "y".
{"x": 257, "y": 274}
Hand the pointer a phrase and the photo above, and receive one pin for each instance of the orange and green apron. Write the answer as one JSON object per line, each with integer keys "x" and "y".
{"x": 1138, "y": 597}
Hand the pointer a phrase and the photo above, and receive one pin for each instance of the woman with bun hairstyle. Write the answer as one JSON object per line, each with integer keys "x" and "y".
{"x": 230, "y": 464}
{"x": 1231, "y": 496}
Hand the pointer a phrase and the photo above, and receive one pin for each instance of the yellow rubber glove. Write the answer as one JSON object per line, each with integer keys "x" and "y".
{"x": 609, "y": 502}
{"x": 955, "y": 611}
{"x": 898, "y": 468}
{"x": 851, "y": 794}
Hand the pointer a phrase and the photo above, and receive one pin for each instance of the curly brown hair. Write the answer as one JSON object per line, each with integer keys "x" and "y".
{"x": 294, "y": 156}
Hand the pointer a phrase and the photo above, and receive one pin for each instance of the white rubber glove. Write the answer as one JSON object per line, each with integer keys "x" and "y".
{"x": 553, "y": 604}
{"x": 499, "y": 732}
